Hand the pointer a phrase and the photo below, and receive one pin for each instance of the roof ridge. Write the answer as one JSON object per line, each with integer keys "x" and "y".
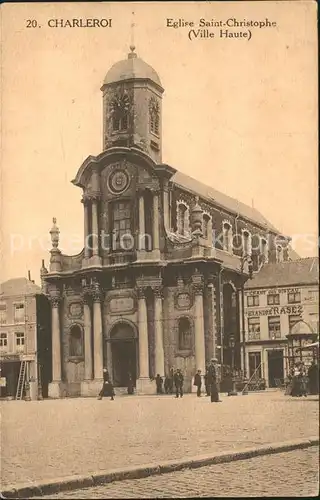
{"x": 241, "y": 204}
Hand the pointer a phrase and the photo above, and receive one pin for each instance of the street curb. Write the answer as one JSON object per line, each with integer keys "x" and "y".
{"x": 68, "y": 483}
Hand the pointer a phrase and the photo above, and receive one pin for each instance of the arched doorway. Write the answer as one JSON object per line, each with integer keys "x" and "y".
{"x": 124, "y": 354}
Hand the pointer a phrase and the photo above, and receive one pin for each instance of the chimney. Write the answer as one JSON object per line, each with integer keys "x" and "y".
{"x": 29, "y": 276}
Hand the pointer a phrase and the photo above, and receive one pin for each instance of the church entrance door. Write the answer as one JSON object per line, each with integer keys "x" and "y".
{"x": 124, "y": 354}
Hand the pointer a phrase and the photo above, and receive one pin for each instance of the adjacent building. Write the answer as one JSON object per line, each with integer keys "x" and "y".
{"x": 281, "y": 299}
{"x": 157, "y": 283}
{"x": 25, "y": 340}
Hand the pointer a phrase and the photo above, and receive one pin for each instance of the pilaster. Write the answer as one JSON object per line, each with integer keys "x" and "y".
{"x": 88, "y": 365}
{"x": 97, "y": 330}
{"x": 198, "y": 284}
{"x": 158, "y": 319}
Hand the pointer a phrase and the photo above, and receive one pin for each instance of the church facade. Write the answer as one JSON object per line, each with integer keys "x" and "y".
{"x": 157, "y": 284}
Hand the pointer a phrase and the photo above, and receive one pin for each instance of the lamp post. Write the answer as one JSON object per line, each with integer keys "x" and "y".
{"x": 232, "y": 344}
{"x": 243, "y": 260}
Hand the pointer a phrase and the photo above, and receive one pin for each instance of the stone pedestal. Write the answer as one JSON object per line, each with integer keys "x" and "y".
{"x": 33, "y": 390}
{"x": 91, "y": 388}
{"x": 57, "y": 390}
{"x": 146, "y": 386}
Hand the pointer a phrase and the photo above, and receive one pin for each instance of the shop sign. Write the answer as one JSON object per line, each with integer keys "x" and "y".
{"x": 276, "y": 311}
{"x": 3, "y": 381}
{"x": 273, "y": 291}
{"x": 27, "y": 357}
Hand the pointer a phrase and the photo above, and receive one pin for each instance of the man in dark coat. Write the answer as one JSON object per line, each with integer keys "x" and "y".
{"x": 212, "y": 381}
{"x": 178, "y": 382}
{"x": 206, "y": 382}
{"x": 107, "y": 388}
{"x": 197, "y": 382}
{"x": 171, "y": 380}
{"x": 159, "y": 382}
{"x": 130, "y": 384}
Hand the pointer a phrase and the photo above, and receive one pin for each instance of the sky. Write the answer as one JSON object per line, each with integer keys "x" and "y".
{"x": 238, "y": 114}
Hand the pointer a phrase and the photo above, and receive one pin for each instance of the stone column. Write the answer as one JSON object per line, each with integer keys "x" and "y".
{"x": 212, "y": 295}
{"x": 56, "y": 339}
{"x": 155, "y": 221}
{"x": 199, "y": 324}
{"x": 210, "y": 235}
{"x": 144, "y": 385}
{"x": 97, "y": 333}
{"x": 56, "y": 386}
{"x": 95, "y": 227}
{"x": 87, "y": 338}
{"x": 143, "y": 335}
{"x": 166, "y": 207}
{"x": 142, "y": 227}
{"x": 86, "y": 227}
{"x": 158, "y": 333}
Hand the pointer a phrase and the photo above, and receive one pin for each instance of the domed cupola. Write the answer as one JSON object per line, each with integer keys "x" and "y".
{"x": 132, "y": 95}
{"x": 131, "y": 68}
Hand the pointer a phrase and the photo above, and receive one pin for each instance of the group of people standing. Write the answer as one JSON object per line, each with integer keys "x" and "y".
{"x": 302, "y": 381}
{"x": 173, "y": 383}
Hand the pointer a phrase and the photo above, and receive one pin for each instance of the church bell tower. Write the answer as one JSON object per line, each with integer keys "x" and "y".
{"x": 132, "y": 106}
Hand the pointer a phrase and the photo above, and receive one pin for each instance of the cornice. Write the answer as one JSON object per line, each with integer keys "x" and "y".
{"x": 109, "y": 155}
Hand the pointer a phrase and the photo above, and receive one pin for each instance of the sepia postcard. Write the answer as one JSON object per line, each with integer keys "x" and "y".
{"x": 159, "y": 266}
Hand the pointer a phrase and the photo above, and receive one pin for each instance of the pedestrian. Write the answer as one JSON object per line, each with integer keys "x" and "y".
{"x": 178, "y": 382}
{"x": 289, "y": 383}
{"x": 107, "y": 389}
{"x": 296, "y": 382}
{"x": 303, "y": 381}
{"x": 130, "y": 388}
{"x": 212, "y": 381}
{"x": 206, "y": 384}
{"x": 171, "y": 379}
{"x": 159, "y": 382}
{"x": 197, "y": 382}
{"x": 313, "y": 376}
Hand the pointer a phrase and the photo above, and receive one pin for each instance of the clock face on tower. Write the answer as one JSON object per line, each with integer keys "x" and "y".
{"x": 118, "y": 181}
{"x": 120, "y": 104}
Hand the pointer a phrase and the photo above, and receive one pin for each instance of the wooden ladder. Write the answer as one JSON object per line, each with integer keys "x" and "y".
{"x": 21, "y": 380}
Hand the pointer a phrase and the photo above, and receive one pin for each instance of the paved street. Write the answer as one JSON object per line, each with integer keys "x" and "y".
{"x": 44, "y": 440}
{"x": 294, "y": 474}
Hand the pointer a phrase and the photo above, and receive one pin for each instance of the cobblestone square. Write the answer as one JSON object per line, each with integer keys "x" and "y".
{"x": 291, "y": 474}
{"x": 51, "y": 439}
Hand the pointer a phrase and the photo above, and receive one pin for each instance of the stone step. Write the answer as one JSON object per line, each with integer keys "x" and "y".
{"x": 122, "y": 391}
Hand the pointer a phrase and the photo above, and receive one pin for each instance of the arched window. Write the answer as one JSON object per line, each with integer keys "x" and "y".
{"x": 185, "y": 339}
{"x": 154, "y": 116}
{"x": 246, "y": 243}
{"x": 264, "y": 250}
{"x": 279, "y": 254}
{"x": 119, "y": 108}
{"x": 227, "y": 237}
{"x": 205, "y": 225}
{"x": 182, "y": 216}
{"x": 75, "y": 341}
